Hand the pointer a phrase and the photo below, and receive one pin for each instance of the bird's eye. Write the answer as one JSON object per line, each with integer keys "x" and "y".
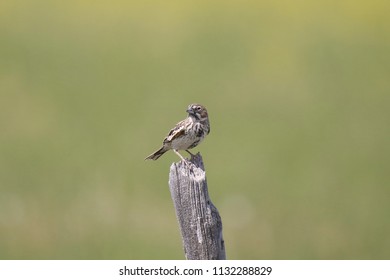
{"x": 198, "y": 108}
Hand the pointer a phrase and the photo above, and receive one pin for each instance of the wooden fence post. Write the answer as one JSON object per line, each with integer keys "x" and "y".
{"x": 199, "y": 221}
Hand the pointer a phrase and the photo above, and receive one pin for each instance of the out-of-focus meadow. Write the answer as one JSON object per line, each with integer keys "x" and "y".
{"x": 298, "y": 96}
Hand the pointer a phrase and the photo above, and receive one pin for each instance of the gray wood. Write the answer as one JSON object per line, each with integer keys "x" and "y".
{"x": 199, "y": 221}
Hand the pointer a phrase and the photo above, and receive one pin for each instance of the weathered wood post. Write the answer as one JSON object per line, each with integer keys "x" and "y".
{"x": 199, "y": 221}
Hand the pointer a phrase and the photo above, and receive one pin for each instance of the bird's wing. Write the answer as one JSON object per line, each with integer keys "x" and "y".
{"x": 175, "y": 132}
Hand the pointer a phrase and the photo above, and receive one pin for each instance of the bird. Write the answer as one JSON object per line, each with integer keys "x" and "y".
{"x": 186, "y": 134}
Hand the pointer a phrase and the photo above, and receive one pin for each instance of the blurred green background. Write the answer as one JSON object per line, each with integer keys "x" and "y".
{"x": 298, "y": 96}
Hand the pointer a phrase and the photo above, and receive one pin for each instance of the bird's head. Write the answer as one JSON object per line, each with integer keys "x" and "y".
{"x": 197, "y": 111}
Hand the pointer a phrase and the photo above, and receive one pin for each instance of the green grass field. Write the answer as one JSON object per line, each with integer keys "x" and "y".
{"x": 297, "y": 159}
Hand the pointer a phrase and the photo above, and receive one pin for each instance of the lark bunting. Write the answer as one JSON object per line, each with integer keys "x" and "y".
{"x": 187, "y": 134}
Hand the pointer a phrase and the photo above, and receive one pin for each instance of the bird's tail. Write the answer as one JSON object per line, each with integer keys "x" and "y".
{"x": 157, "y": 154}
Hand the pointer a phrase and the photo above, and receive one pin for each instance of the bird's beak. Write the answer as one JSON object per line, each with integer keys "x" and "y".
{"x": 190, "y": 111}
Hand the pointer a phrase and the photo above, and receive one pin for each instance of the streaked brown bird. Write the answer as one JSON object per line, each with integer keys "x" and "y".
{"x": 187, "y": 134}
